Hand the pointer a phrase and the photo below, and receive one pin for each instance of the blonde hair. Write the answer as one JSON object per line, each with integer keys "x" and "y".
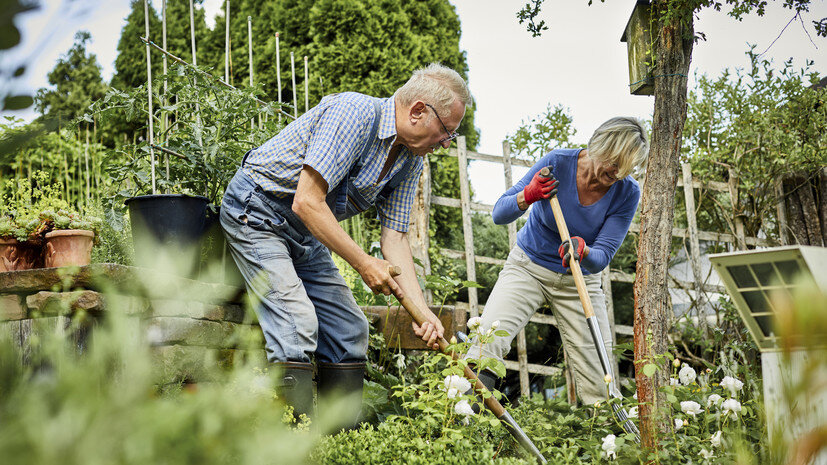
{"x": 437, "y": 85}
{"x": 621, "y": 140}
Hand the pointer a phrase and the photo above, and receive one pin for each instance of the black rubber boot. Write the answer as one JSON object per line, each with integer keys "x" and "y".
{"x": 296, "y": 387}
{"x": 489, "y": 380}
{"x": 342, "y": 381}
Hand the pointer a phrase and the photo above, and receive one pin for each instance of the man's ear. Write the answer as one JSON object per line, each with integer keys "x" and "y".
{"x": 417, "y": 111}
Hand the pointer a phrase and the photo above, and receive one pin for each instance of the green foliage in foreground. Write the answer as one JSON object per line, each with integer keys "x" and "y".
{"x": 105, "y": 406}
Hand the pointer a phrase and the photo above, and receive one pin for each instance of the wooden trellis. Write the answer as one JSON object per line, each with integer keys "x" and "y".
{"x": 420, "y": 244}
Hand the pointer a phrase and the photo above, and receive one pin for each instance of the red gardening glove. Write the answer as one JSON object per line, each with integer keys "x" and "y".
{"x": 540, "y": 187}
{"x": 565, "y": 249}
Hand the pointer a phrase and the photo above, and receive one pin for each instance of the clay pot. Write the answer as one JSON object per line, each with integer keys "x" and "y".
{"x": 16, "y": 255}
{"x": 68, "y": 247}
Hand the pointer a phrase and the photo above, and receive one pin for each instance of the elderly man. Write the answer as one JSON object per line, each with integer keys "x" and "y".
{"x": 280, "y": 216}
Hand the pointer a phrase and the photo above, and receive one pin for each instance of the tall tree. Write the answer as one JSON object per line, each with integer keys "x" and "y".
{"x": 77, "y": 83}
{"x": 179, "y": 40}
{"x": 130, "y": 65}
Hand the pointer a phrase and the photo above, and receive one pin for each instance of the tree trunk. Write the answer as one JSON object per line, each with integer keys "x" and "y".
{"x": 822, "y": 203}
{"x": 808, "y": 207}
{"x": 795, "y": 214}
{"x": 673, "y": 50}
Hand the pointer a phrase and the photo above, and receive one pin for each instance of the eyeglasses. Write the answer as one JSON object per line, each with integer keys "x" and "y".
{"x": 451, "y": 135}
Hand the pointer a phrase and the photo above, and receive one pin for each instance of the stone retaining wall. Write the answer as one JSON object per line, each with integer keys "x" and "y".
{"x": 187, "y": 323}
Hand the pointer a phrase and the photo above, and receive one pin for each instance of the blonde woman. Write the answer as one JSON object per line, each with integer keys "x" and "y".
{"x": 598, "y": 198}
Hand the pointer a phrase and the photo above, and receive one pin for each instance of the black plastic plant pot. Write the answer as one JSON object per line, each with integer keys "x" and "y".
{"x": 167, "y": 230}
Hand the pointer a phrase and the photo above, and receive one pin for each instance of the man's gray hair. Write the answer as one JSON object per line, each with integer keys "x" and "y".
{"x": 437, "y": 85}
{"x": 621, "y": 140}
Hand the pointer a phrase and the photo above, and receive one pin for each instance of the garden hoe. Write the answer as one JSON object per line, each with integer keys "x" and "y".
{"x": 591, "y": 320}
{"x": 490, "y": 402}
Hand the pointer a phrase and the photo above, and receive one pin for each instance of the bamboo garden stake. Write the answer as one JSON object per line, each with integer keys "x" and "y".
{"x": 149, "y": 94}
{"x": 250, "y": 52}
{"x": 293, "y": 73}
{"x": 306, "y": 86}
{"x": 227, "y": 44}
{"x": 164, "y": 121}
{"x": 278, "y": 72}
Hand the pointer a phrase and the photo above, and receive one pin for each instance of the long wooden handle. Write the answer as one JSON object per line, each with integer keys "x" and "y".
{"x": 582, "y": 291}
{"x": 420, "y": 317}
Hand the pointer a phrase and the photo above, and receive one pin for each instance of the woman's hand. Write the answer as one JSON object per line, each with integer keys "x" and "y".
{"x": 540, "y": 187}
{"x": 576, "y": 244}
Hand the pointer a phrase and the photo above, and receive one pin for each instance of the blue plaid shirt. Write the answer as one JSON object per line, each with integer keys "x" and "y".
{"x": 329, "y": 138}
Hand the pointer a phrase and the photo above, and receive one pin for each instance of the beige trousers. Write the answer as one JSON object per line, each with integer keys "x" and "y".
{"x": 523, "y": 286}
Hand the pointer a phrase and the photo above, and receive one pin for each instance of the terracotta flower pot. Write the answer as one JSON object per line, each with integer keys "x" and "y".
{"x": 16, "y": 255}
{"x": 68, "y": 247}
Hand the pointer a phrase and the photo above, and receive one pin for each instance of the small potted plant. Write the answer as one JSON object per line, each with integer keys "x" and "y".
{"x": 21, "y": 240}
{"x": 21, "y": 227}
{"x": 70, "y": 239}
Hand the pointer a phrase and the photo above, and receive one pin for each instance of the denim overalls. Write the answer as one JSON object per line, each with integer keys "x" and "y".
{"x": 304, "y": 306}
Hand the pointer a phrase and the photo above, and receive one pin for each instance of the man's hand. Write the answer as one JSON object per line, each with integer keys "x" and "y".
{"x": 540, "y": 187}
{"x": 430, "y": 331}
{"x": 577, "y": 246}
{"x": 375, "y": 273}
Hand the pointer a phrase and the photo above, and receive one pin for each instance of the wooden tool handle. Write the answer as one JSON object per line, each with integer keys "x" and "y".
{"x": 576, "y": 272}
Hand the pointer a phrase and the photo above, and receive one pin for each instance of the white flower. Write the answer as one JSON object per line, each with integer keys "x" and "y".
{"x": 732, "y": 405}
{"x": 607, "y": 379}
{"x": 674, "y": 382}
{"x": 633, "y": 412}
{"x": 687, "y": 375}
{"x": 474, "y": 323}
{"x": 716, "y": 439}
{"x": 713, "y": 399}
{"x": 463, "y": 408}
{"x": 456, "y": 385}
{"x": 706, "y": 454}
{"x": 400, "y": 361}
{"x": 495, "y": 324}
{"x": 634, "y": 396}
{"x": 691, "y": 407}
{"x": 453, "y": 340}
{"x": 678, "y": 424}
{"x": 732, "y": 384}
{"x": 609, "y": 446}
{"x": 676, "y": 363}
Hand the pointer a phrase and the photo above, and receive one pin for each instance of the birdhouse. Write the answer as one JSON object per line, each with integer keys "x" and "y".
{"x": 638, "y": 43}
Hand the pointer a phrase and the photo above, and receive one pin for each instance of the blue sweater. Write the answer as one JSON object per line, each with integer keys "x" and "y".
{"x": 603, "y": 225}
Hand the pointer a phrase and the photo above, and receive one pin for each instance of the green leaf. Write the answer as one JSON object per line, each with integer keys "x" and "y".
{"x": 649, "y": 369}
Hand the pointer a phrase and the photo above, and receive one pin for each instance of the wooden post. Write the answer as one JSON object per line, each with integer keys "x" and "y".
{"x": 306, "y": 86}
{"x": 149, "y": 95}
{"x": 522, "y": 355}
{"x": 293, "y": 75}
{"x": 694, "y": 245}
{"x": 278, "y": 73}
{"x": 740, "y": 236}
{"x": 781, "y": 209}
{"x": 467, "y": 231}
{"x": 420, "y": 219}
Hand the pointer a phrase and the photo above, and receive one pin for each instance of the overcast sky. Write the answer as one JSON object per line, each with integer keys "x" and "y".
{"x": 579, "y": 62}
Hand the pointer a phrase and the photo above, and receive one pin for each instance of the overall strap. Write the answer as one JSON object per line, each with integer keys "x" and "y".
{"x": 337, "y": 198}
